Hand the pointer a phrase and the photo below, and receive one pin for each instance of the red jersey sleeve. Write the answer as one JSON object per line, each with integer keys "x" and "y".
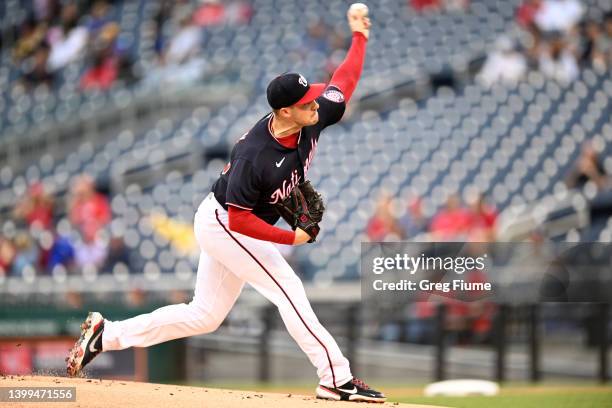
{"x": 246, "y": 223}
{"x": 347, "y": 74}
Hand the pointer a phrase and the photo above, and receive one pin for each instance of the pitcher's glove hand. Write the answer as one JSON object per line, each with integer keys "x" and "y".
{"x": 303, "y": 209}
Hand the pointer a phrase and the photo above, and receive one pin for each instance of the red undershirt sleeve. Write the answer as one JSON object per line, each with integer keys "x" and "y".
{"x": 347, "y": 74}
{"x": 246, "y": 223}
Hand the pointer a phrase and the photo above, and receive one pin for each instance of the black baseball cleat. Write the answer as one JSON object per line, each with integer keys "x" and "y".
{"x": 88, "y": 346}
{"x": 354, "y": 390}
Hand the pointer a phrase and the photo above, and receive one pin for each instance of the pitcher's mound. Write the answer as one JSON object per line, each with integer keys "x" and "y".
{"x": 94, "y": 393}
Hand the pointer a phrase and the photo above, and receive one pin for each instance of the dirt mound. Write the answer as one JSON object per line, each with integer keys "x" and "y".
{"x": 94, "y": 393}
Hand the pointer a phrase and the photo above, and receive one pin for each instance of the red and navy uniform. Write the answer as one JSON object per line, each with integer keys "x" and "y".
{"x": 264, "y": 169}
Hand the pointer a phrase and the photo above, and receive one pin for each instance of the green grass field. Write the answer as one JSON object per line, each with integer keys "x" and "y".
{"x": 511, "y": 396}
{"x": 561, "y": 400}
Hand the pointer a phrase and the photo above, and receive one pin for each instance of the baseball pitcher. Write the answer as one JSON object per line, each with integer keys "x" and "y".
{"x": 265, "y": 179}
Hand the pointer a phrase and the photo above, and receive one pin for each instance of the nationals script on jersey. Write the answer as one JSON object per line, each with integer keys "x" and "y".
{"x": 262, "y": 172}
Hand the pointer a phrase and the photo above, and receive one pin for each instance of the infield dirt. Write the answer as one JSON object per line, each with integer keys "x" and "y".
{"x": 98, "y": 393}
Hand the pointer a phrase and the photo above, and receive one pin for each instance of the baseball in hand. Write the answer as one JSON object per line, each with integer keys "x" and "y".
{"x": 358, "y": 10}
{"x": 358, "y": 19}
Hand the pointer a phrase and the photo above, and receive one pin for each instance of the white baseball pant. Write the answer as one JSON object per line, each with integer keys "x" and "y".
{"x": 227, "y": 261}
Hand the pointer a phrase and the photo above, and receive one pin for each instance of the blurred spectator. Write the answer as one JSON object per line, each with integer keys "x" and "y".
{"x": 559, "y": 15}
{"x": 525, "y": 17}
{"x": 163, "y": 14}
{"x": 588, "y": 167}
{"x": 383, "y": 226}
{"x": 7, "y": 255}
{"x": 178, "y": 233}
{"x": 181, "y": 61}
{"x": 44, "y": 241}
{"x": 438, "y": 5}
{"x": 115, "y": 54}
{"x": 117, "y": 254}
{"x": 426, "y": 5}
{"x": 103, "y": 72}
{"x": 67, "y": 39}
{"x": 526, "y": 13}
{"x": 27, "y": 256}
{"x": 469, "y": 315}
{"x": 413, "y": 222}
{"x": 557, "y": 61}
{"x": 105, "y": 58}
{"x": 215, "y": 12}
{"x": 505, "y": 64}
{"x": 184, "y": 44}
{"x": 90, "y": 251}
{"x": 61, "y": 253}
{"x": 594, "y": 47}
{"x": 88, "y": 210}
{"x": 46, "y": 10}
{"x": 452, "y": 222}
{"x": 101, "y": 75}
{"x": 210, "y": 13}
{"x": 422, "y": 326}
{"x": 238, "y": 12}
{"x": 31, "y": 35}
{"x": 98, "y": 18}
{"x": 36, "y": 207}
{"x": 36, "y": 73}
{"x": 483, "y": 220}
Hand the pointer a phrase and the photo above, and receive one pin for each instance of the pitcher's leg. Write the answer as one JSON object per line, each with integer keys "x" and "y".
{"x": 260, "y": 264}
{"x": 303, "y": 325}
{"x": 216, "y": 292}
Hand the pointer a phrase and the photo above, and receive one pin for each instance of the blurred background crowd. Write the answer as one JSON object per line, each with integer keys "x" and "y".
{"x": 558, "y": 40}
{"x": 470, "y": 218}
{"x": 56, "y": 33}
{"x": 67, "y": 239}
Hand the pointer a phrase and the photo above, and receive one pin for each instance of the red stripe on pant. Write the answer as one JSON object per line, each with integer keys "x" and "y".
{"x": 285, "y": 293}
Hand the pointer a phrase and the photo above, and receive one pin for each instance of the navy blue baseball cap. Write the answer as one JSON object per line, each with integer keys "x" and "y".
{"x": 292, "y": 89}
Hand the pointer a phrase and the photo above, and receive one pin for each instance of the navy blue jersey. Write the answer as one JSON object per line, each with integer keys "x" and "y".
{"x": 262, "y": 172}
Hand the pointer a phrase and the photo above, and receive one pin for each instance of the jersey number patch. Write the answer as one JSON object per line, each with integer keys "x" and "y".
{"x": 334, "y": 95}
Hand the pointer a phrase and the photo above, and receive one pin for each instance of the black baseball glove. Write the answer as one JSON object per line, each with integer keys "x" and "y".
{"x": 303, "y": 209}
